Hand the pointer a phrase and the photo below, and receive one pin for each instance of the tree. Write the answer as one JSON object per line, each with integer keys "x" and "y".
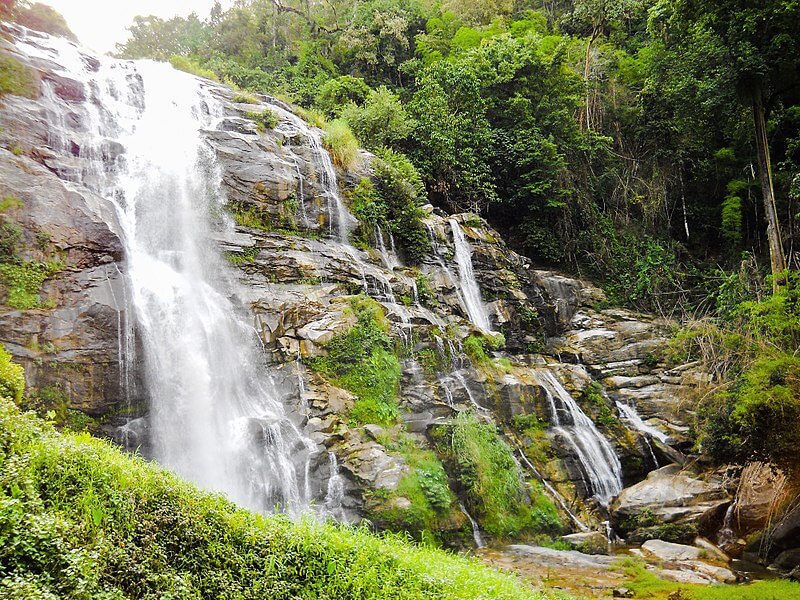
{"x": 594, "y": 18}
{"x": 764, "y": 48}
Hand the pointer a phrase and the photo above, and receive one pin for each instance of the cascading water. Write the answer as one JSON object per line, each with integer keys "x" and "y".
{"x": 629, "y": 414}
{"x": 214, "y": 416}
{"x": 470, "y": 291}
{"x": 598, "y": 461}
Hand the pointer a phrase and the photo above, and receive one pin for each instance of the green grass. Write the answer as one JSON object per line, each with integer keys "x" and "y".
{"x": 645, "y": 584}
{"x": 245, "y": 98}
{"x": 17, "y": 79}
{"x": 81, "y": 519}
{"x": 341, "y": 143}
{"x": 184, "y": 63}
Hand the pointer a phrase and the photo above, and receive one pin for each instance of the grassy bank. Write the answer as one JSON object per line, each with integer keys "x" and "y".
{"x": 81, "y": 519}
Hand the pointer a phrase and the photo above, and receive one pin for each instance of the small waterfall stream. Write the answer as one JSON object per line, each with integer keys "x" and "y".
{"x": 470, "y": 291}
{"x": 599, "y": 463}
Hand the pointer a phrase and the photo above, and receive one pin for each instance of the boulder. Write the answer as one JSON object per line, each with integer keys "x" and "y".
{"x": 666, "y": 496}
{"x": 669, "y": 552}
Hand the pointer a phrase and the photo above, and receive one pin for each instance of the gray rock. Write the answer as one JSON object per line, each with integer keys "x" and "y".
{"x": 669, "y": 552}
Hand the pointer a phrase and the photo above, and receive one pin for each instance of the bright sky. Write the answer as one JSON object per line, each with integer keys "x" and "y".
{"x": 100, "y": 24}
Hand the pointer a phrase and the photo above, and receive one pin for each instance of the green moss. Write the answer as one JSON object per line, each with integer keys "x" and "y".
{"x": 361, "y": 360}
{"x": 17, "y": 79}
{"x": 23, "y": 282}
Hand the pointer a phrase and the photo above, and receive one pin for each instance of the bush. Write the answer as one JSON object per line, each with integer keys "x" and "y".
{"x": 264, "y": 120}
{"x": 17, "y": 79}
{"x": 341, "y": 143}
{"x": 339, "y": 92}
{"x": 184, "y": 63}
{"x": 403, "y": 193}
{"x": 360, "y": 360}
{"x": 494, "y": 489}
{"x": 12, "y": 378}
{"x": 81, "y": 519}
{"x": 381, "y": 122}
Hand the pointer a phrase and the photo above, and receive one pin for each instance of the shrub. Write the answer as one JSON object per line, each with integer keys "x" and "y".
{"x": 17, "y": 79}
{"x": 381, "y": 122}
{"x": 264, "y": 120}
{"x": 184, "y": 63}
{"x": 341, "y": 143}
{"x": 337, "y": 93}
{"x": 401, "y": 188}
{"x": 12, "y": 378}
{"x": 360, "y": 360}
{"x": 492, "y": 483}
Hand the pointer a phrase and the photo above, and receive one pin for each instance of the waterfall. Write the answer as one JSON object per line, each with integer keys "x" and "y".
{"x": 599, "y": 464}
{"x": 470, "y": 291}
{"x": 476, "y": 532}
{"x": 629, "y": 413}
{"x": 214, "y": 414}
{"x": 335, "y": 492}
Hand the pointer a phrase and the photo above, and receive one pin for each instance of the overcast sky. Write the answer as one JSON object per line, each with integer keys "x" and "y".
{"x": 100, "y": 24}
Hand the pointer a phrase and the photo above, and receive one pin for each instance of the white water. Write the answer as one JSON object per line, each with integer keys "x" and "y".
{"x": 335, "y": 492}
{"x": 599, "y": 463}
{"x": 629, "y": 414}
{"x": 214, "y": 416}
{"x": 477, "y": 538}
{"x": 470, "y": 291}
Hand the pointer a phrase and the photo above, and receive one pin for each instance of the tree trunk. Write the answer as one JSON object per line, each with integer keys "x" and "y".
{"x": 585, "y": 116}
{"x": 776, "y": 256}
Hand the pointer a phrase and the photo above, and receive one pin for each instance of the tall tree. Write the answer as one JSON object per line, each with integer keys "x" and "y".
{"x": 761, "y": 38}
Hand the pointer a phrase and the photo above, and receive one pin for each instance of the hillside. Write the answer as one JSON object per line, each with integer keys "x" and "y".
{"x": 81, "y": 519}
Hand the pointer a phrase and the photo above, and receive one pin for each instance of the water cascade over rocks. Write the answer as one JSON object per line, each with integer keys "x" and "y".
{"x": 470, "y": 291}
{"x": 214, "y": 417}
{"x": 599, "y": 462}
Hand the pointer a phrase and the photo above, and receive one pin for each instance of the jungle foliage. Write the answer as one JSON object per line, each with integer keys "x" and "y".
{"x": 616, "y": 139}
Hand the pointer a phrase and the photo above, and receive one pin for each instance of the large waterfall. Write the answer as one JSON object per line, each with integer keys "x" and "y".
{"x": 214, "y": 416}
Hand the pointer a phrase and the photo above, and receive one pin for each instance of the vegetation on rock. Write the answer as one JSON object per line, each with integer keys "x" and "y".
{"x": 79, "y": 518}
{"x": 362, "y": 360}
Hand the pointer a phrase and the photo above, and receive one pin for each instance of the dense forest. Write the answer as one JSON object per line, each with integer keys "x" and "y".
{"x": 645, "y": 144}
